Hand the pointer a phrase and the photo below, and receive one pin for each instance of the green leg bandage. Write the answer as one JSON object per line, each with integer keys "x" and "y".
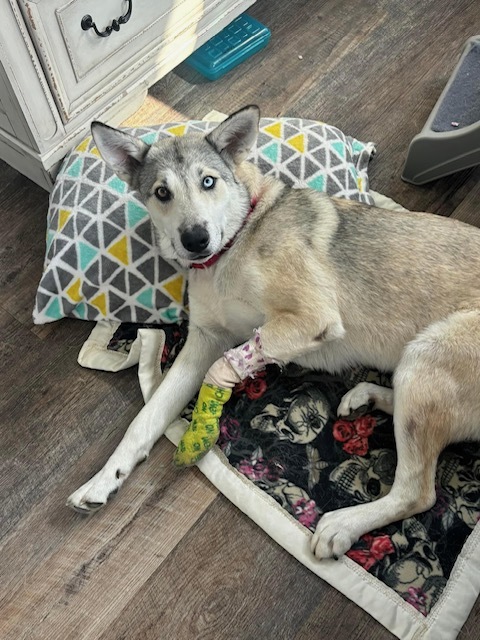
{"x": 204, "y": 429}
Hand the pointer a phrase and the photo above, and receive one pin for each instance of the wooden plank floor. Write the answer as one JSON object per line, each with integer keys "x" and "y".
{"x": 170, "y": 557}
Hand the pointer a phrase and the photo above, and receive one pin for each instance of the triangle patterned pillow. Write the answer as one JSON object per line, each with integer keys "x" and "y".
{"x": 102, "y": 262}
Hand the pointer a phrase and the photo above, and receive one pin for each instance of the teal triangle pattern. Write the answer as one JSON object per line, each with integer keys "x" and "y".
{"x": 54, "y": 310}
{"x": 339, "y": 148}
{"x": 317, "y": 183}
{"x": 117, "y": 185}
{"x": 271, "y": 151}
{"x": 81, "y": 311}
{"x": 87, "y": 254}
{"x": 75, "y": 168}
{"x": 357, "y": 147}
{"x": 50, "y": 238}
{"x": 135, "y": 213}
{"x": 170, "y": 315}
{"x": 149, "y": 138}
{"x": 146, "y": 298}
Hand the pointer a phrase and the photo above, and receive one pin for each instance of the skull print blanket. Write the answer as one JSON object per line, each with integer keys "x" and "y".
{"x": 284, "y": 458}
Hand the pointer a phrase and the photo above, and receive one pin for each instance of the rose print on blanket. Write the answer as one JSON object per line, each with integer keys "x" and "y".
{"x": 373, "y": 549}
{"x": 418, "y": 599}
{"x": 258, "y": 468}
{"x": 354, "y": 434}
{"x": 253, "y": 387}
{"x": 306, "y": 513}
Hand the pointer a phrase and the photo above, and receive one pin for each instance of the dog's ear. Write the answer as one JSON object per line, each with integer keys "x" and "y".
{"x": 122, "y": 152}
{"x": 235, "y": 136}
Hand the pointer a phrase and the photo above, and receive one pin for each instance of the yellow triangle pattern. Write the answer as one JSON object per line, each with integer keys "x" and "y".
{"x": 274, "y": 129}
{"x": 94, "y": 151}
{"x": 63, "y": 216}
{"x": 101, "y": 303}
{"x": 73, "y": 291}
{"x": 120, "y": 250}
{"x": 177, "y": 131}
{"x": 83, "y": 146}
{"x": 297, "y": 142}
{"x": 174, "y": 287}
{"x": 360, "y": 183}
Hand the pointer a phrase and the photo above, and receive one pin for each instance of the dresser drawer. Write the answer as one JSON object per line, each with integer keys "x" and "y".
{"x": 82, "y": 67}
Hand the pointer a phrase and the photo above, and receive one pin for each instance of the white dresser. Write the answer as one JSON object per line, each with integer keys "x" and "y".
{"x": 57, "y": 74}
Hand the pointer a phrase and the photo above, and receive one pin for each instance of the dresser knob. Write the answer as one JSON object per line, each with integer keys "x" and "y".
{"x": 88, "y": 23}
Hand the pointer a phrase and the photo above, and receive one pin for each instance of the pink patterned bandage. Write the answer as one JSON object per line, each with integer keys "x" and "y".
{"x": 249, "y": 358}
{"x": 239, "y": 363}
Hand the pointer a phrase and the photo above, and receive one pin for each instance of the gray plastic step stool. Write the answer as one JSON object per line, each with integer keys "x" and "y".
{"x": 450, "y": 139}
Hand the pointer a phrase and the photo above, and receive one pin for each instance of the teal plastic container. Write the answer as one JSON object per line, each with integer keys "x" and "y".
{"x": 235, "y": 43}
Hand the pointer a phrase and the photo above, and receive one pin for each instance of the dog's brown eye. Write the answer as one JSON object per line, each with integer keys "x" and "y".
{"x": 208, "y": 182}
{"x": 163, "y": 194}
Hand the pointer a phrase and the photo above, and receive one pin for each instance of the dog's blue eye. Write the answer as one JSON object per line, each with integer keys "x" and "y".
{"x": 208, "y": 182}
{"x": 163, "y": 194}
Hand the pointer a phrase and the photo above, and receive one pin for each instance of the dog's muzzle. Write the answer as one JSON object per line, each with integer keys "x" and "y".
{"x": 195, "y": 239}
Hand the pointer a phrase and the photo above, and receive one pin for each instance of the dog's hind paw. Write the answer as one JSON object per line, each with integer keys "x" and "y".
{"x": 93, "y": 495}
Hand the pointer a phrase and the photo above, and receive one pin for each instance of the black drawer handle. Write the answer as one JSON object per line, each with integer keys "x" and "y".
{"x": 88, "y": 23}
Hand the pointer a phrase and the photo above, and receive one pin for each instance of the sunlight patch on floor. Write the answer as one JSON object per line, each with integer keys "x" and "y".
{"x": 153, "y": 111}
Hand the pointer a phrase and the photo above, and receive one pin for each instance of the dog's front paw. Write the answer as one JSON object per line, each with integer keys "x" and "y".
{"x": 334, "y": 536}
{"x": 93, "y": 495}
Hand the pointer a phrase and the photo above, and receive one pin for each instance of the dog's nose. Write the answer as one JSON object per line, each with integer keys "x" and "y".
{"x": 195, "y": 239}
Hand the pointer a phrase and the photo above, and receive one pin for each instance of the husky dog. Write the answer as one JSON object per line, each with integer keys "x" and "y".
{"x": 331, "y": 283}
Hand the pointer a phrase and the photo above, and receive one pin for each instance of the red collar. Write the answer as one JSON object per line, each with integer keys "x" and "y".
{"x": 213, "y": 259}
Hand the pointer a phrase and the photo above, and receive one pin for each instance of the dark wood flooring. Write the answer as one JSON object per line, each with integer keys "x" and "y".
{"x": 170, "y": 557}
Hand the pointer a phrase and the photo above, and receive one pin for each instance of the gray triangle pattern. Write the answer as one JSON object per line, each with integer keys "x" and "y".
{"x": 92, "y": 274}
{"x": 117, "y": 217}
{"x": 53, "y": 217}
{"x": 71, "y": 198}
{"x": 70, "y": 257}
{"x": 84, "y": 192}
{"x": 119, "y": 282}
{"x": 115, "y": 301}
{"x": 64, "y": 277}
{"x": 91, "y": 234}
{"x": 134, "y": 283}
{"x": 90, "y": 204}
{"x": 67, "y": 186}
{"x": 109, "y": 268}
{"x": 144, "y": 231}
{"x": 81, "y": 221}
{"x": 110, "y": 233}
{"x": 139, "y": 249}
